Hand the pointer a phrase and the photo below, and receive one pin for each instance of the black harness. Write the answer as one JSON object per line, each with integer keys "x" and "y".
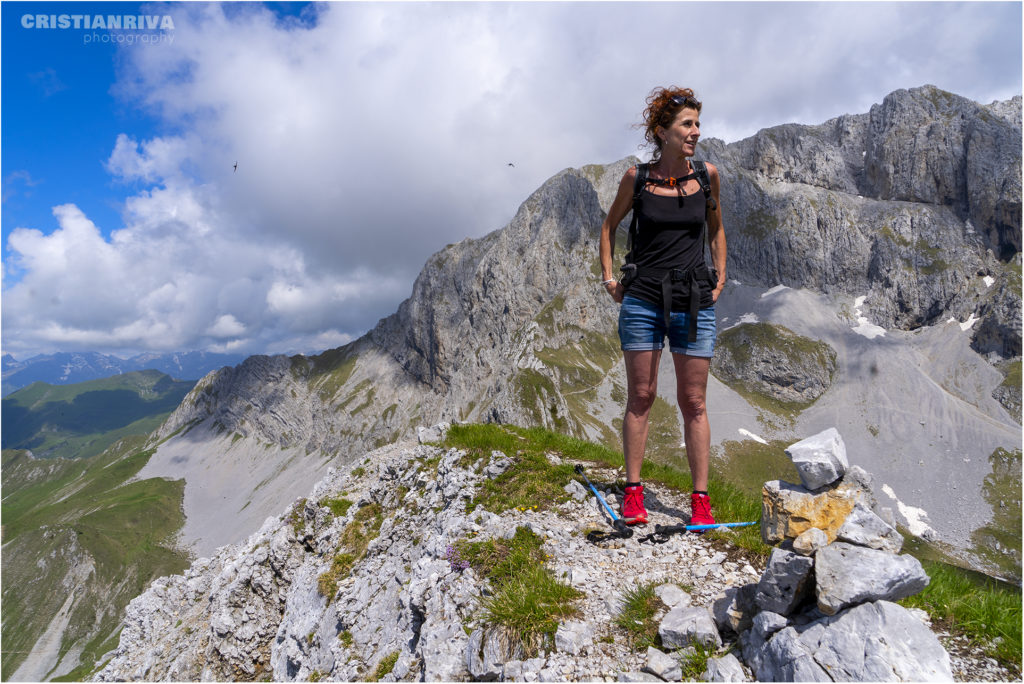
{"x": 671, "y": 278}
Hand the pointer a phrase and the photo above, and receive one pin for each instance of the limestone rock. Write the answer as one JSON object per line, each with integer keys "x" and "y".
{"x": 754, "y": 641}
{"x": 638, "y": 677}
{"x": 820, "y": 459}
{"x": 789, "y": 510}
{"x": 775, "y": 362}
{"x": 847, "y": 575}
{"x": 671, "y": 595}
{"x": 663, "y": 665}
{"x": 725, "y": 669}
{"x": 573, "y": 637}
{"x": 857, "y": 645}
{"x": 435, "y": 433}
{"x": 483, "y": 658}
{"x": 864, "y": 528}
{"x": 576, "y": 490}
{"x": 809, "y": 541}
{"x": 786, "y": 582}
{"x": 687, "y": 625}
{"x": 735, "y": 608}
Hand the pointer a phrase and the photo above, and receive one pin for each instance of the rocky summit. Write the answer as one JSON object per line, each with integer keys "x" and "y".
{"x": 369, "y": 578}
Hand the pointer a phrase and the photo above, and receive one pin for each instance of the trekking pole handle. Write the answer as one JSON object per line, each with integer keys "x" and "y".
{"x": 579, "y": 470}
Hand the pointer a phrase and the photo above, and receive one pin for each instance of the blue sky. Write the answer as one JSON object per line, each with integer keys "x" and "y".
{"x": 369, "y": 135}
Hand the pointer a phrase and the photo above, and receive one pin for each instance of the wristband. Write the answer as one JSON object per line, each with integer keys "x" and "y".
{"x": 610, "y": 280}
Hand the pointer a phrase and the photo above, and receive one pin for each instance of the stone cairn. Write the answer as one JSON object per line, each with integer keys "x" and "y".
{"x": 824, "y": 607}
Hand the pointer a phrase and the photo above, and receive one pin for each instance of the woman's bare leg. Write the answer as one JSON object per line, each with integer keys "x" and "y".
{"x": 691, "y": 391}
{"x": 642, "y": 388}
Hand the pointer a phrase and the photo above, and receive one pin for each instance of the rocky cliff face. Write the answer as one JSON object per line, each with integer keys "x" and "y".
{"x": 914, "y": 205}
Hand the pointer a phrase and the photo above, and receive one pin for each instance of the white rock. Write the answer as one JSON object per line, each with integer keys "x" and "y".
{"x": 820, "y": 459}
{"x": 672, "y": 595}
{"x": 663, "y": 665}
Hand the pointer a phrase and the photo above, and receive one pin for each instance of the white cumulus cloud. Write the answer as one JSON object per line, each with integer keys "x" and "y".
{"x": 369, "y": 135}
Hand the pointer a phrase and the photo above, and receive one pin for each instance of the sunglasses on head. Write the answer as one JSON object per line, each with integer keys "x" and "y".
{"x": 683, "y": 100}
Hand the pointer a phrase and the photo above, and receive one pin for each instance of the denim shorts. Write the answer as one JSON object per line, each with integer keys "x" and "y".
{"x": 642, "y": 328}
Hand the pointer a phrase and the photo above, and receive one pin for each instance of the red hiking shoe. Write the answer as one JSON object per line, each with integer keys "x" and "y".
{"x": 633, "y": 511}
{"x": 700, "y": 507}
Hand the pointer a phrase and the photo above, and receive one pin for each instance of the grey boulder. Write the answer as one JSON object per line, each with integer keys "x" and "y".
{"x": 686, "y": 625}
{"x": 786, "y": 581}
{"x": 847, "y": 575}
{"x": 725, "y": 669}
{"x": 734, "y": 609}
{"x": 857, "y": 645}
{"x": 810, "y": 541}
{"x": 820, "y": 459}
{"x": 864, "y": 528}
{"x": 663, "y": 665}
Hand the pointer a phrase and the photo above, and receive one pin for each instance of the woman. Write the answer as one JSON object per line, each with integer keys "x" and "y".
{"x": 671, "y": 291}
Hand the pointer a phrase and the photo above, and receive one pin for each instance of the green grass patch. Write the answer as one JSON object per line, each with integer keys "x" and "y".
{"x": 696, "y": 664}
{"x": 987, "y": 611}
{"x": 637, "y": 616}
{"x": 338, "y": 506}
{"x": 355, "y": 538}
{"x": 759, "y": 224}
{"x": 328, "y": 372}
{"x": 534, "y": 481}
{"x": 386, "y": 665}
{"x": 297, "y": 517}
{"x": 527, "y": 601}
{"x": 999, "y": 542}
{"x": 738, "y": 345}
{"x": 538, "y": 395}
{"x": 1013, "y": 374}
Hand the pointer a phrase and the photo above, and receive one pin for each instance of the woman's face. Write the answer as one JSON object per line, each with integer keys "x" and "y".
{"x": 680, "y": 138}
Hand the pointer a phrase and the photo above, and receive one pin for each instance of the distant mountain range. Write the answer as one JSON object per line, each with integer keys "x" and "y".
{"x": 67, "y": 368}
{"x": 83, "y": 419}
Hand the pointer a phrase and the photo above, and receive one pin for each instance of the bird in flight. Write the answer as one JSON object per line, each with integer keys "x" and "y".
{"x": 236, "y": 166}
{"x": 511, "y": 164}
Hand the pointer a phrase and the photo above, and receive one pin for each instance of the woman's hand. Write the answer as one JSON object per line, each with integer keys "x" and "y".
{"x": 615, "y": 289}
{"x": 717, "y": 292}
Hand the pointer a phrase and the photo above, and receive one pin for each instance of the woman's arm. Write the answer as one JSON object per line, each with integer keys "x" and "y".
{"x": 716, "y": 233}
{"x": 620, "y": 207}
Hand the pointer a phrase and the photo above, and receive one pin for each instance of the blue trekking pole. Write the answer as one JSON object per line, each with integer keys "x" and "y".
{"x": 662, "y": 532}
{"x": 622, "y": 531}
{"x": 691, "y": 528}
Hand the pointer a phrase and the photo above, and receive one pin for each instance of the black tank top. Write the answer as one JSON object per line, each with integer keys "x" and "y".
{"x": 670, "y": 234}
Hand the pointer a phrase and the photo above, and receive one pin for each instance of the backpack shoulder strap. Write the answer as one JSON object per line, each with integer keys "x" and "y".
{"x": 705, "y": 181}
{"x": 639, "y": 182}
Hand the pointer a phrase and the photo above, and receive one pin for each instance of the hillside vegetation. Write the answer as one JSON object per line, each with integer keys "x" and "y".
{"x": 81, "y": 420}
{"x": 80, "y": 540}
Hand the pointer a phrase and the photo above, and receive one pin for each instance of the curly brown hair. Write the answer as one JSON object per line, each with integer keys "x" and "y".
{"x": 663, "y": 104}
